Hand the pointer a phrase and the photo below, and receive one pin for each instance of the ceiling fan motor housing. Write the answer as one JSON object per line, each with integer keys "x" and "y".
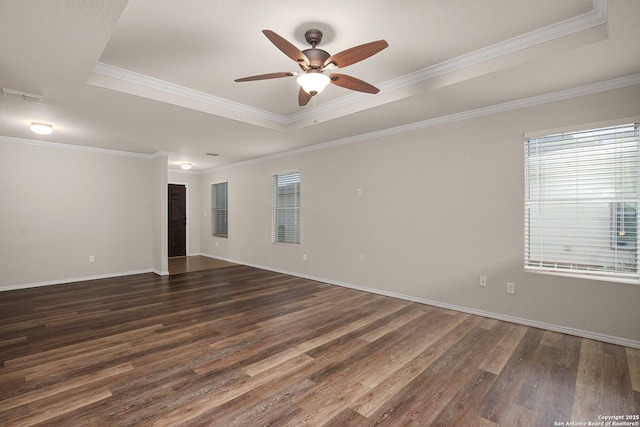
{"x": 316, "y": 57}
{"x": 313, "y": 37}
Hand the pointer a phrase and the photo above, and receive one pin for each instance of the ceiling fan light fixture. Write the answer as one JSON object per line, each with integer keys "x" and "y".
{"x": 314, "y": 62}
{"x": 41, "y": 128}
{"x": 313, "y": 83}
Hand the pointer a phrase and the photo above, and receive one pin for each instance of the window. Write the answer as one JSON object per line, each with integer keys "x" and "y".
{"x": 219, "y": 211}
{"x": 624, "y": 231}
{"x": 286, "y": 208}
{"x": 581, "y": 202}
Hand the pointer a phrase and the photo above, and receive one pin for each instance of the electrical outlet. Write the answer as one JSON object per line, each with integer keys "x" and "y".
{"x": 361, "y": 258}
{"x": 483, "y": 281}
{"x": 511, "y": 288}
{"x": 304, "y": 257}
{"x": 92, "y": 258}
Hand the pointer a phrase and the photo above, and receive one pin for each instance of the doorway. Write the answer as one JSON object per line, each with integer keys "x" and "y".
{"x": 177, "y": 220}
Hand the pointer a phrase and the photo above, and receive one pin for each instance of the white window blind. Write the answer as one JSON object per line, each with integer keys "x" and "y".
{"x": 219, "y": 210}
{"x": 286, "y": 208}
{"x": 581, "y": 203}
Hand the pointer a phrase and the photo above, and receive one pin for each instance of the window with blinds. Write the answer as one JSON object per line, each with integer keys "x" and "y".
{"x": 581, "y": 203}
{"x": 219, "y": 210}
{"x": 286, "y": 208}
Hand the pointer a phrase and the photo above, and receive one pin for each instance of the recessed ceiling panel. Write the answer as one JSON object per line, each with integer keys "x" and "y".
{"x": 204, "y": 45}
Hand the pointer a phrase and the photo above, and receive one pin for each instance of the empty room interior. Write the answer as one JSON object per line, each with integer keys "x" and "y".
{"x": 319, "y": 213}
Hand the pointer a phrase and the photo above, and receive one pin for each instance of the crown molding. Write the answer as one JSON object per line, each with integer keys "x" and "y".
{"x": 159, "y": 154}
{"x": 182, "y": 91}
{"x": 584, "y": 90}
{"x": 533, "y": 101}
{"x": 212, "y": 104}
{"x": 597, "y": 16}
{"x": 58, "y": 145}
{"x": 183, "y": 172}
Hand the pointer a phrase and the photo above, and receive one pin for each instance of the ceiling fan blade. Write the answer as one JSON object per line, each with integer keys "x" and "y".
{"x": 352, "y": 83}
{"x": 264, "y": 77}
{"x": 303, "y": 97}
{"x": 356, "y": 54}
{"x": 287, "y": 48}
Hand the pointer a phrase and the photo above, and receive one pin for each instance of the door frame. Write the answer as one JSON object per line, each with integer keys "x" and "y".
{"x": 186, "y": 201}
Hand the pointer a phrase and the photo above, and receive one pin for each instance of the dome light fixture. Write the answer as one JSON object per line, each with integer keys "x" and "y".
{"x": 186, "y": 166}
{"x": 41, "y": 128}
{"x": 313, "y": 82}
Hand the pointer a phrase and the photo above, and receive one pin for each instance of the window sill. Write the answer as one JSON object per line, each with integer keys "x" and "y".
{"x": 589, "y": 276}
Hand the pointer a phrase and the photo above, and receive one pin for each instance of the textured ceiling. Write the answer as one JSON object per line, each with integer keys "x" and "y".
{"x": 157, "y": 75}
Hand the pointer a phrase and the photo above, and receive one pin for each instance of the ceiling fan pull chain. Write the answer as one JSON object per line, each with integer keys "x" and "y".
{"x": 313, "y": 128}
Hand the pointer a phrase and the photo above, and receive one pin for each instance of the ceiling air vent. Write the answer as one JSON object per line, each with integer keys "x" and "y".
{"x": 24, "y": 96}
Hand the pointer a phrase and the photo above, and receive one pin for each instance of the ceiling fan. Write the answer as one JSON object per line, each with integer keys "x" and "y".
{"x": 314, "y": 62}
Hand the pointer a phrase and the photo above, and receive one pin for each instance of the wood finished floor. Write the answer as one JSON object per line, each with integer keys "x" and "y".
{"x": 239, "y": 346}
{"x": 186, "y": 264}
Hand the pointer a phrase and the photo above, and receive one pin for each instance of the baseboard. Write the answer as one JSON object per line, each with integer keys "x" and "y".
{"x": 519, "y": 320}
{"x": 527, "y": 322}
{"x": 75, "y": 279}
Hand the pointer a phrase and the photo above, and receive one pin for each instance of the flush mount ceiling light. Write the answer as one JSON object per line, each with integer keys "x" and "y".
{"x": 314, "y": 61}
{"x": 186, "y": 166}
{"x": 41, "y": 128}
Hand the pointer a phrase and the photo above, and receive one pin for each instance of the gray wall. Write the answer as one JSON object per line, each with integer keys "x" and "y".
{"x": 59, "y": 206}
{"x": 441, "y": 206}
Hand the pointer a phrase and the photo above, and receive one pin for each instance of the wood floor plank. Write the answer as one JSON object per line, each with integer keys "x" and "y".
{"x": 243, "y": 346}
{"x": 209, "y": 403}
{"x": 42, "y": 372}
{"x": 498, "y": 356}
{"x": 461, "y": 409}
{"x": 437, "y": 385}
{"x": 559, "y": 366}
{"x": 633, "y": 358}
{"x": 394, "y": 384}
{"x": 502, "y": 395}
{"x": 330, "y": 354}
{"x": 517, "y": 416}
{"x": 241, "y": 349}
{"x": 44, "y": 392}
{"x": 393, "y": 325}
{"x": 346, "y": 418}
{"x": 402, "y": 388}
{"x": 261, "y": 366}
{"x": 618, "y": 392}
{"x": 589, "y": 394}
{"x": 341, "y": 384}
{"x": 273, "y": 409}
{"x": 55, "y": 406}
{"x": 11, "y": 341}
{"x": 57, "y": 354}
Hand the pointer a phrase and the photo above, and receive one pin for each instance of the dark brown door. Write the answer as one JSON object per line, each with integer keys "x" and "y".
{"x": 177, "y": 220}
